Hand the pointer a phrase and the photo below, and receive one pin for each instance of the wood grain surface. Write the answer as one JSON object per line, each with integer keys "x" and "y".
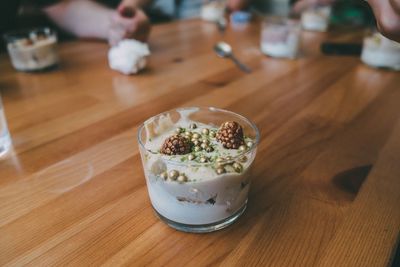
{"x": 326, "y": 188}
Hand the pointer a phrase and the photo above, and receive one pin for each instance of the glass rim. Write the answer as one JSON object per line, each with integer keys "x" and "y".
{"x": 284, "y": 20}
{"x": 18, "y": 34}
{"x": 199, "y": 164}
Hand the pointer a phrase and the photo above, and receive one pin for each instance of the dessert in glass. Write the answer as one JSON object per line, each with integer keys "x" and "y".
{"x": 280, "y": 37}
{"x": 379, "y": 51}
{"x": 213, "y": 10}
{"x": 197, "y": 163}
{"x": 316, "y": 18}
{"x": 32, "y": 50}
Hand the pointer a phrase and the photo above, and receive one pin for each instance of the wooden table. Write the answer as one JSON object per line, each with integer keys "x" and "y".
{"x": 326, "y": 189}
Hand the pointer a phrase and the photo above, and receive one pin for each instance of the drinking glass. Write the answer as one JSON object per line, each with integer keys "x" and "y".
{"x": 380, "y": 52}
{"x": 5, "y": 140}
{"x": 280, "y": 37}
{"x": 316, "y": 18}
{"x": 32, "y": 50}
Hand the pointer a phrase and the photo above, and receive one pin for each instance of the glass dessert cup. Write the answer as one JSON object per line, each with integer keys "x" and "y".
{"x": 280, "y": 37}
{"x": 32, "y": 50}
{"x": 206, "y": 189}
{"x": 316, "y": 18}
{"x": 381, "y": 52}
{"x": 212, "y": 10}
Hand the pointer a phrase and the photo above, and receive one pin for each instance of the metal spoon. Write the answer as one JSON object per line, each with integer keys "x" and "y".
{"x": 225, "y": 50}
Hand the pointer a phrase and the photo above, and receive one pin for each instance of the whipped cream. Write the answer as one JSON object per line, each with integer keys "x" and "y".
{"x": 206, "y": 196}
{"x": 379, "y": 51}
{"x": 128, "y": 56}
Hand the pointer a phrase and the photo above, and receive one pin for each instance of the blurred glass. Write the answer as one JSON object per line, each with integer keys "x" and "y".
{"x": 280, "y": 37}
{"x": 32, "y": 50}
{"x": 5, "y": 140}
{"x": 316, "y": 18}
{"x": 213, "y": 10}
{"x": 378, "y": 51}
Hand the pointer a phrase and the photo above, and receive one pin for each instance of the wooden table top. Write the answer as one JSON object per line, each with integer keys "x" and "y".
{"x": 326, "y": 188}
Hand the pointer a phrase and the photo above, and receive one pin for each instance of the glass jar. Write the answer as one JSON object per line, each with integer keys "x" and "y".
{"x": 32, "y": 50}
{"x": 316, "y": 18}
{"x": 203, "y": 190}
{"x": 381, "y": 52}
{"x": 280, "y": 37}
{"x": 213, "y": 10}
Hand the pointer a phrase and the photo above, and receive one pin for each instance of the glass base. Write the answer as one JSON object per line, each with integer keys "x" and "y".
{"x": 388, "y": 68}
{"x": 39, "y": 70}
{"x": 5, "y": 144}
{"x": 203, "y": 228}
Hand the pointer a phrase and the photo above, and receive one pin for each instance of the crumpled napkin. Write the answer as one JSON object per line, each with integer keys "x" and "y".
{"x": 128, "y": 56}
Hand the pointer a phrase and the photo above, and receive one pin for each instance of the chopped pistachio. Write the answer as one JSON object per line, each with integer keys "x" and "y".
{"x": 243, "y": 159}
{"x": 209, "y": 149}
{"x": 220, "y": 170}
{"x": 196, "y": 136}
{"x": 182, "y": 178}
{"x": 237, "y": 167}
{"x": 178, "y": 130}
{"x": 164, "y": 175}
{"x": 242, "y": 148}
{"x": 196, "y": 142}
{"x": 219, "y": 159}
{"x": 203, "y": 159}
{"x": 173, "y": 174}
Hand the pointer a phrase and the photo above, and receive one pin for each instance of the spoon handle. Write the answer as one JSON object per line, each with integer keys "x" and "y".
{"x": 241, "y": 66}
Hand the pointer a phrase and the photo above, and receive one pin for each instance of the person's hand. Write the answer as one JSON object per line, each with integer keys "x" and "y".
{"x": 301, "y": 5}
{"x": 128, "y": 23}
{"x": 236, "y": 5}
{"x": 387, "y": 14}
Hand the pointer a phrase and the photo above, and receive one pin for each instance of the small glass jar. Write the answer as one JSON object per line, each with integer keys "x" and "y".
{"x": 213, "y": 10}
{"x": 203, "y": 190}
{"x": 316, "y": 18}
{"x": 381, "y": 52}
{"x": 280, "y": 37}
{"x": 5, "y": 139}
{"x": 32, "y": 50}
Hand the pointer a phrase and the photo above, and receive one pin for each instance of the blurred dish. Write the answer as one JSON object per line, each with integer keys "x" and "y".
{"x": 32, "y": 50}
{"x": 379, "y": 51}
